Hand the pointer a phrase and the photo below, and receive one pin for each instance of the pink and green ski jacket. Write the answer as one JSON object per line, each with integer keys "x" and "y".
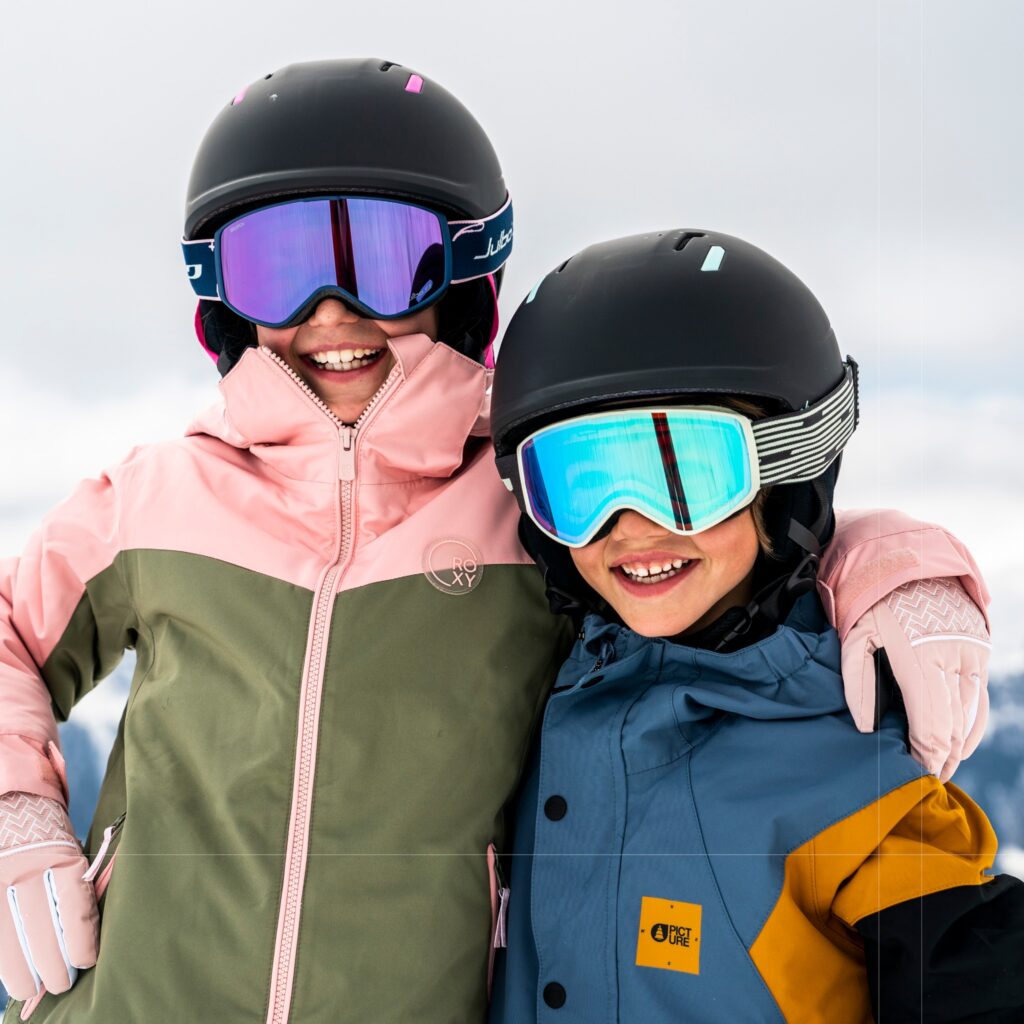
{"x": 341, "y": 655}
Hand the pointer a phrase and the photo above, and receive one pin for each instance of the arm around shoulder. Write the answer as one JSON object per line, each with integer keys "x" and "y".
{"x": 910, "y": 607}
{"x": 876, "y": 551}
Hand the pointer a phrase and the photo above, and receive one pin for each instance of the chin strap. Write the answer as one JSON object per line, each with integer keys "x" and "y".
{"x": 772, "y": 602}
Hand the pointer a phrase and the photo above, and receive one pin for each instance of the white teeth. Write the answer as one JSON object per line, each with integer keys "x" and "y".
{"x": 345, "y": 359}
{"x": 655, "y": 572}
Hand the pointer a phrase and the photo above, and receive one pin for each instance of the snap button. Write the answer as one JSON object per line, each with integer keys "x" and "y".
{"x": 555, "y": 808}
{"x": 554, "y": 995}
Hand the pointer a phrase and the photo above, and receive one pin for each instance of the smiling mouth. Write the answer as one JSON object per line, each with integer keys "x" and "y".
{"x": 345, "y": 360}
{"x": 654, "y": 573}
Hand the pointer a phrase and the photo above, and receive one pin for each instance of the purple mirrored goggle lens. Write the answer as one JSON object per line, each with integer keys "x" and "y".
{"x": 390, "y": 258}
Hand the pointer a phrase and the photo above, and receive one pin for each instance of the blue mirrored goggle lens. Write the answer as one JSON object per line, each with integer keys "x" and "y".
{"x": 389, "y": 256}
{"x": 684, "y": 469}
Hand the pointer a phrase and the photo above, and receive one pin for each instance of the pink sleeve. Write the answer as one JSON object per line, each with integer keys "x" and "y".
{"x": 874, "y": 551}
{"x": 39, "y": 594}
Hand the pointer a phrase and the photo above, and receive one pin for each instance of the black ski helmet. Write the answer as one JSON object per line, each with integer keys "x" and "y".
{"x": 355, "y": 126}
{"x": 694, "y": 314}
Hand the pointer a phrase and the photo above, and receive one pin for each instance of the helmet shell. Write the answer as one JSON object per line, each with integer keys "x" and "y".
{"x": 353, "y": 125}
{"x": 638, "y": 318}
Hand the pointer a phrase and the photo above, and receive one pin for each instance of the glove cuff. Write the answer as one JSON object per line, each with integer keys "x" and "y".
{"x": 26, "y": 819}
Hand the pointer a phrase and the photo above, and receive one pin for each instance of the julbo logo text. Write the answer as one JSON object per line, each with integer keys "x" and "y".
{"x": 504, "y": 240}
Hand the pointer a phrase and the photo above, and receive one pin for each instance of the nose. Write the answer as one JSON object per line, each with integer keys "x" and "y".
{"x": 330, "y": 312}
{"x": 631, "y": 525}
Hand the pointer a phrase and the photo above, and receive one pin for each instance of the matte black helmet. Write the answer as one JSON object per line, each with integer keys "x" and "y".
{"x": 684, "y": 313}
{"x": 354, "y": 126}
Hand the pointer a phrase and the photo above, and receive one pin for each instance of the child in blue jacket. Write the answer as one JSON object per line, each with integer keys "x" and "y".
{"x": 702, "y": 834}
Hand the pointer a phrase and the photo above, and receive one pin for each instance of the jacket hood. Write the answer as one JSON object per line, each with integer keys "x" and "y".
{"x": 434, "y": 395}
{"x": 794, "y": 673}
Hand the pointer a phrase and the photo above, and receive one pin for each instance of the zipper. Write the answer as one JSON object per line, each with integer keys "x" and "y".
{"x": 286, "y": 941}
{"x": 109, "y": 833}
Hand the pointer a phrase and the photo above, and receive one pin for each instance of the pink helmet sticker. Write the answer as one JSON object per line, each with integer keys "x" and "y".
{"x": 240, "y": 95}
{"x": 415, "y": 84}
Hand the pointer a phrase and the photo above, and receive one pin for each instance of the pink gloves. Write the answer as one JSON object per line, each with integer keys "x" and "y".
{"x": 912, "y": 589}
{"x": 48, "y": 918}
{"x": 937, "y": 644}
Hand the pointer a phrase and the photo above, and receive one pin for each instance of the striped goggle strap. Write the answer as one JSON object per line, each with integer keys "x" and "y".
{"x": 802, "y": 445}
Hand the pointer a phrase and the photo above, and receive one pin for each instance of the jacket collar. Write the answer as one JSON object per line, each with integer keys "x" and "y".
{"x": 794, "y": 673}
{"x": 435, "y": 400}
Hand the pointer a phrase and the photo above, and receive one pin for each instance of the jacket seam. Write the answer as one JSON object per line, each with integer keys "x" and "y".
{"x": 819, "y": 909}
{"x": 136, "y": 686}
{"x": 721, "y": 898}
{"x": 615, "y": 862}
{"x": 824, "y": 828}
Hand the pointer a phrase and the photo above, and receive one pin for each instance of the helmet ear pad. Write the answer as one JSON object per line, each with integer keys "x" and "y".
{"x": 225, "y": 334}
{"x": 566, "y": 590}
{"x": 808, "y": 503}
{"x": 467, "y": 316}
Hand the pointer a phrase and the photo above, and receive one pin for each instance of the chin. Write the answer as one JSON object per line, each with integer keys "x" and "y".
{"x": 659, "y": 625}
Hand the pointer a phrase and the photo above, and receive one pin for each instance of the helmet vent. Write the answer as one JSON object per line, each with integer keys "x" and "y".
{"x": 563, "y": 266}
{"x": 687, "y": 237}
{"x": 388, "y": 65}
{"x": 271, "y": 75}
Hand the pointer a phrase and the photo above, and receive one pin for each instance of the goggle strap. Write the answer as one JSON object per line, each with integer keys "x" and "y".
{"x": 801, "y": 445}
{"x": 480, "y": 247}
{"x": 201, "y": 267}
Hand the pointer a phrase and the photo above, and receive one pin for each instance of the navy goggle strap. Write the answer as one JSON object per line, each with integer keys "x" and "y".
{"x": 480, "y": 247}
{"x": 802, "y": 445}
{"x": 201, "y": 266}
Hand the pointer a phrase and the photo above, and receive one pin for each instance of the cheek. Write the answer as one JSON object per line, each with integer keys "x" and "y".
{"x": 278, "y": 340}
{"x": 423, "y": 322}
{"x": 733, "y": 545}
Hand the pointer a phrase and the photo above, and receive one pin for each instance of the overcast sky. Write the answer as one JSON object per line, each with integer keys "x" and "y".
{"x": 874, "y": 148}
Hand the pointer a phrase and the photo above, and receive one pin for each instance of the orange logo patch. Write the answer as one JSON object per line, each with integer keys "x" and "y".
{"x": 669, "y": 935}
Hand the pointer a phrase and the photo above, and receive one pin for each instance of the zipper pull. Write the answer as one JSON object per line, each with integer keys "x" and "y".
{"x": 501, "y": 928}
{"x": 347, "y": 453}
{"x": 108, "y": 834}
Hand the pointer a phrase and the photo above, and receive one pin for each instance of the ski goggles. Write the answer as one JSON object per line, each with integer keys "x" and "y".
{"x": 384, "y": 258}
{"x": 685, "y": 468}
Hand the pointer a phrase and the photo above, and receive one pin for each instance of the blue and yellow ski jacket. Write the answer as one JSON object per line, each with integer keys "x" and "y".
{"x": 706, "y": 837}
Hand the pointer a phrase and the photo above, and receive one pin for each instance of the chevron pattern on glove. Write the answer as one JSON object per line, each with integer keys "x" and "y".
{"x": 26, "y": 818}
{"x": 933, "y": 607}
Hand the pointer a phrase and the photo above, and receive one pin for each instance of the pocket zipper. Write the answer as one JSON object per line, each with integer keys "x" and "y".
{"x": 29, "y": 1006}
{"x": 108, "y": 836}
